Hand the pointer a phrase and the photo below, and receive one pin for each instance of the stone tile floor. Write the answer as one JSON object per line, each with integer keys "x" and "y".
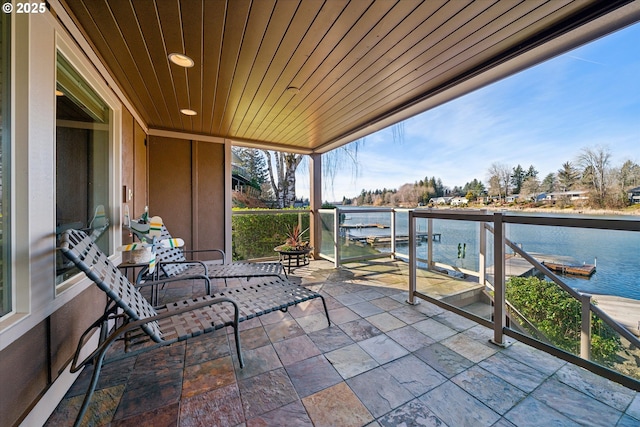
{"x": 381, "y": 363}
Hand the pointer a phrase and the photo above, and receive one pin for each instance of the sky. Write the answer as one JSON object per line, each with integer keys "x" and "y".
{"x": 543, "y": 116}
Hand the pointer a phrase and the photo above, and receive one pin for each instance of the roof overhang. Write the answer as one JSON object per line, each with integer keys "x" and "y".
{"x": 358, "y": 66}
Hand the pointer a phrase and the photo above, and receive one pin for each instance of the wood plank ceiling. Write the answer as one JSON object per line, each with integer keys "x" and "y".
{"x": 353, "y": 63}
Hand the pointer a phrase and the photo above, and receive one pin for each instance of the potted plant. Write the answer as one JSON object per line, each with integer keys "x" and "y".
{"x": 294, "y": 242}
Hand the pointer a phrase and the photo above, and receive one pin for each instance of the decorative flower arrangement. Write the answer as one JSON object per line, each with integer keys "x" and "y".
{"x": 294, "y": 241}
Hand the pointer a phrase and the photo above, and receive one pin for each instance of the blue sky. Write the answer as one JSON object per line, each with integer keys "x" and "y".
{"x": 542, "y": 116}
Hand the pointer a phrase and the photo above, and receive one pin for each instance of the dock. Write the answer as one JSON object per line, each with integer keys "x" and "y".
{"x": 586, "y": 270}
{"x": 386, "y": 240}
{"x": 358, "y": 226}
{"x": 516, "y": 266}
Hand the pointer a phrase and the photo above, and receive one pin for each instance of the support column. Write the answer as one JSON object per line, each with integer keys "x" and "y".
{"x": 429, "y": 244}
{"x": 585, "y": 327}
{"x": 228, "y": 203}
{"x": 482, "y": 255}
{"x": 413, "y": 254}
{"x": 315, "y": 199}
{"x": 498, "y": 280}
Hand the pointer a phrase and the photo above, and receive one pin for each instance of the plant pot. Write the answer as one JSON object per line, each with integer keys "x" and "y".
{"x": 140, "y": 256}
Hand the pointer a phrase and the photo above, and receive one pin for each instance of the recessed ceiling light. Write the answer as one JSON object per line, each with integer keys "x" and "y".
{"x": 188, "y": 112}
{"x": 59, "y": 93}
{"x": 293, "y": 90}
{"x": 181, "y": 60}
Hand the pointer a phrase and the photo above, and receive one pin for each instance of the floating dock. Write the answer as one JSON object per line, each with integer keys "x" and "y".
{"x": 386, "y": 240}
{"x": 358, "y": 226}
{"x": 585, "y": 270}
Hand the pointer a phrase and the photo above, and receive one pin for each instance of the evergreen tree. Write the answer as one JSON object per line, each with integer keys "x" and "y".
{"x": 630, "y": 175}
{"x": 568, "y": 176}
{"x": 253, "y": 162}
{"x": 475, "y": 187}
{"x": 548, "y": 183}
{"x": 517, "y": 178}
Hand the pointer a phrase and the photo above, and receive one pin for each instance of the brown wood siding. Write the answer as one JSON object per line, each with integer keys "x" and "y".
{"x": 186, "y": 188}
{"x": 140, "y": 188}
{"x": 170, "y": 184}
{"x": 209, "y": 196}
{"x": 69, "y": 322}
{"x": 24, "y": 374}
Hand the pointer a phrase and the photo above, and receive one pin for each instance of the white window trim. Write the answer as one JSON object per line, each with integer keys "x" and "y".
{"x": 35, "y": 40}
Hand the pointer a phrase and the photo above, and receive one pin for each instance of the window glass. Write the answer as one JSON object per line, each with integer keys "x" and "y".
{"x": 82, "y": 161}
{"x": 5, "y": 158}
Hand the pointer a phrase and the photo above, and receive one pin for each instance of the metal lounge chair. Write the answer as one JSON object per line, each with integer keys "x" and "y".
{"x": 142, "y": 323}
{"x": 172, "y": 262}
{"x": 272, "y": 293}
{"x": 142, "y": 326}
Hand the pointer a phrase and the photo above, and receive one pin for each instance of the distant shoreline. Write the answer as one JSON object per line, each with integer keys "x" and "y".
{"x": 571, "y": 210}
{"x": 579, "y": 211}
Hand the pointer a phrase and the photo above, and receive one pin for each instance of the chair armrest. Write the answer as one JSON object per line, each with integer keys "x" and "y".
{"x": 204, "y": 266}
{"x": 174, "y": 279}
{"x": 220, "y": 251}
{"x": 159, "y": 265}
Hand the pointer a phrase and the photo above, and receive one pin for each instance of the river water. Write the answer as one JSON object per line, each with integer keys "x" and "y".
{"x": 616, "y": 253}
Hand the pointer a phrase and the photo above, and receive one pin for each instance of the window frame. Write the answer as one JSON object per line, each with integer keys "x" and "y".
{"x": 35, "y": 39}
{"x": 114, "y": 160}
{"x": 8, "y": 292}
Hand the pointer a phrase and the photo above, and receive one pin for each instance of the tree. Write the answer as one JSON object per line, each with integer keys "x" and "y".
{"x": 530, "y": 187}
{"x": 629, "y": 175}
{"x": 595, "y": 165}
{"x": 517, "y": 178}
{"x": 253, "y": 163}
{"x": 568, "y": 176}
{"x": 476, "y": 187}
{"x": 531, "y": 172}
{"x": 548, "y": 183}
{"x": 284, "y": 187}
{"x": 499, "y": 178}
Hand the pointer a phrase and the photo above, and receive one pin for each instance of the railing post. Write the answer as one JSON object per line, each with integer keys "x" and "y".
{"x": 336, "y": 237}
{"x": 482, "y": 255}
{"x": 393, "y": 234}
{"x": 429, "y": 243}
{"x": 585, "y": 327}
{"x": 498, "y": 279}
{"x": 412, "y": 259}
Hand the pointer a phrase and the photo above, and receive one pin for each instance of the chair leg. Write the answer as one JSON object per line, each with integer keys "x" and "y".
{"x": 326, "y": 312}
{"x": 236, "y": 331}
{"x": 97, "y": 367}
{"x": 237, "y": 336}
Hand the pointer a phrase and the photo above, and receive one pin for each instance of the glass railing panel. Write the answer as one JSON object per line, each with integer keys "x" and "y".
{"x": 255, "y": 233}
{"x": 582, "y": 261}
{"x": 544, "y": 311}
{"x": 327, "y": 226}
{"x": 588, "y": 260}
{"x": 625, "y": 359}
{"x": 364, "y": 233}
{"x": 454, "y": 276}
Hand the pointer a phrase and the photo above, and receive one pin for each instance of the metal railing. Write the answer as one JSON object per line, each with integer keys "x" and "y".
{"x": 500, "y": 243}
{"x": 342, "y": 241}
{"x": 338, "y": 240}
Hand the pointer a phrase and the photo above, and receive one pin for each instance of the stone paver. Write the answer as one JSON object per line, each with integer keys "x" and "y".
{"x": 382, "y": 362}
